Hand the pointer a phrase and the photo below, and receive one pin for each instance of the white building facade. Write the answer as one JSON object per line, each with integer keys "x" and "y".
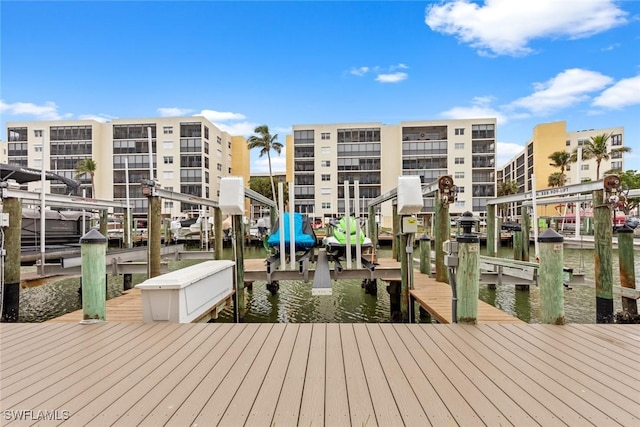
{"x": 375, "y": 154}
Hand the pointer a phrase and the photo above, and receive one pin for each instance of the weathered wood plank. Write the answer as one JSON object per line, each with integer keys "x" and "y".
{"x": 336, "y": 397}
{"x": 360, "y": 402}
{"x": 312, "y": 407}
{"x": 288, "y": 407}
{"x": 264, "y": 405}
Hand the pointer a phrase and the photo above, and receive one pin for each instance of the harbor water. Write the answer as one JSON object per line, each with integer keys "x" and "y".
{"x": 349, "y": 303}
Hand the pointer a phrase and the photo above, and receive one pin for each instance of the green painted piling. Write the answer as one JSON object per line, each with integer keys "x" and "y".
{"x": 517, "y": 245}
{"x": 154, "y": 235}
{"x": 442, "y": 233}
{"x": 93, "y": 251}
{"x": 371, "y": 225}
{"x": 425, "y": 255}
{"x": 491, "y": 230}
{"x": 526, "y": 237}
{"x": 12, "y": 238}
{"x": 602, "y": 238}
{"x": 217, "y": 232}
{"x": 468, "y": 274}
{"x": 551, "y": 276}
{"x": 239, "y": 244}
{"x": 626, "y": 263}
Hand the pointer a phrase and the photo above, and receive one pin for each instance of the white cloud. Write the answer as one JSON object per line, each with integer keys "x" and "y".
{"x": 506, "y": 27}
{"x": 564, "y": 90}
{"x": 240, "y": 128}
{"x": 610, "y": 47}
{"x": 102, "y": 118}
{"x": 392, "y": 78}
{"x": 359, "y": 71}
{"x": 398, "y": 67}
{"x": 174, "y": 111}
{"x": 480, "y": 108}
{"x": 220, "y": 116}
{"x": 506, "y": 151}
{"x": 278, "y": 164}
{"x": 47, "y": 111}
{"x": 622, "y": 94}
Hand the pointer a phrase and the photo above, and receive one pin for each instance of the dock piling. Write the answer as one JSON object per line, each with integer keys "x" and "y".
{"x": 603, "y": 234}
{"x": 626, "y": 263}
{"x": 551, "y": 277}
{"x": 425, "y": 255}
{"x": 468, "y": 272}
{"x": 93, "y": 250}
{"x": 11, "y": 291}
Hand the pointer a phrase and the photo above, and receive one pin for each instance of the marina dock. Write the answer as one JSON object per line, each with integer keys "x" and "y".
{"x": 320, "y": 374}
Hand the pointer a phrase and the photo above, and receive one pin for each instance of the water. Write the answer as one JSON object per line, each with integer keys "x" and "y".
{"x": 349, "y": 303}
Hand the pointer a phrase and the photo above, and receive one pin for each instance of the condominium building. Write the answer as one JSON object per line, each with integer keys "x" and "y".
{"x": 188, "y": 155}
{"x": 534, "y": 162}
{"x": 321, "y": 157}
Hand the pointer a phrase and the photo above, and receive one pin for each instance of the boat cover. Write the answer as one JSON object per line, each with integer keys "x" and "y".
{"x": 305, "y": 238}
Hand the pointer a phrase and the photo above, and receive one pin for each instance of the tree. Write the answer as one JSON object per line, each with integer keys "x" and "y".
{"x": 597, "y": 148}
{"x": 88, "y": 167}
{"x": 561, "y": 159}
{"x": 262, "y": 185}
{"x": 506, "y": 188}
{"x": 556, "y": 179}
{"x": 266, "y": 142}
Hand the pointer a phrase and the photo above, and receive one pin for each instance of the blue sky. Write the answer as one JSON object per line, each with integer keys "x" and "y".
{"x": 242, "y": 64}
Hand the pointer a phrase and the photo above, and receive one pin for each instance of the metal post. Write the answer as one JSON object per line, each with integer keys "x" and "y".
{"x": 425, "y": 255}
{"x": 93, "y": 251}
{"x": 394, "y": 231}
{"x": 347, "y": 214}
{"x": 356, "y": 209}
{"x": 627, "y": 268}
{"x": 11, "y": 285}
{"x": 602, "y": 237}
{"x": 468, "y": 273}
{"x": 283, "y": 252}
{"x": 526, "y": 226}
{"x": 551, "y": 276}
{"x": 292, "y": 229}
{"x": 404, "y": 274}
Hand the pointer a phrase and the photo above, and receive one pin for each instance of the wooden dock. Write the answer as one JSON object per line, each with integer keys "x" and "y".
{"x": 320, "y": 374}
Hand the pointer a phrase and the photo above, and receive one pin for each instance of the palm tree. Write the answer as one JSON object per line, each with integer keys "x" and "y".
{"x": 87, "y": 167}
{"x": 596, "y": 148}
{"x": 266, "y": 142}
{"x": 561, "y": 159}
{"x": 506, "y": 188}
{"x": 556, "y": 179}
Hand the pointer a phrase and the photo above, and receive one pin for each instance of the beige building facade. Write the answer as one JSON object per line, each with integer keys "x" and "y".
{"x": 189, "y": 155}
{"x": 321, "y": 157}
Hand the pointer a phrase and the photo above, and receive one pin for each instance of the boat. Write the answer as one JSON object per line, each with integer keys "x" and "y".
{"x": 189, "y": 227}
{"x": 61, "y": 227}
{"x": 336, "y": 243}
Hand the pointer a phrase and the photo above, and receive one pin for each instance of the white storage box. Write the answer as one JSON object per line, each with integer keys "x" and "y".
{"x": 409, "y": 195}
{"x": 231, "y": 200}
{"x": 184, "y": 295}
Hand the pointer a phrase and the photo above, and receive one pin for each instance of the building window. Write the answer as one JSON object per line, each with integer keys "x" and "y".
{"x": 459, "y": 131}
{"x": 460, "y": 189}
{"x": 326, "y": 177}
{"x": 325, "y": 135}
{"x": 326, "y": 205}
{"x": 325, "y": 150}
{"x": 616, "y": 165}
{"x": 459, "y": 146}
{"x": 616, "y": 139}
{"x": 219, "y": 140}
{"x": 459, "y": 175}
{"x": 168, "y": 205}
{"x": 37, "y": 133}
{"x": 584, "y": 167}
{"x": 168, "y": 160}
{"x": 168, "y": 130}
{"x": 581, "y": 142}
{"x": 325, "y": 191}
{"x": 206, "y": 132}
{"x": 38, "y": 148}
{"x": 459, "y": 160}
{"x": 459, "y": 204}
{"x": 219, "y": 166}
{"x": 568, "y": 143}
{"x": 325, "y": 163}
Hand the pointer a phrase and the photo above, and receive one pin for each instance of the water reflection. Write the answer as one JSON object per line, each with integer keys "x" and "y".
{"x": 349, "y": 303}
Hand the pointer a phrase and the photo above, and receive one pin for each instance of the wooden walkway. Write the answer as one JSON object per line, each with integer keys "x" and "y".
{"x": 435, "y": 297}
{"x": 320, "y": 374}
{"x": 124, "y": 308}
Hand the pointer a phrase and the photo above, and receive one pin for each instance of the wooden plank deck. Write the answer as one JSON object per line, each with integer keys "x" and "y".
{"x": 320, "y": 374}
{"x": 435, "y": 297}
